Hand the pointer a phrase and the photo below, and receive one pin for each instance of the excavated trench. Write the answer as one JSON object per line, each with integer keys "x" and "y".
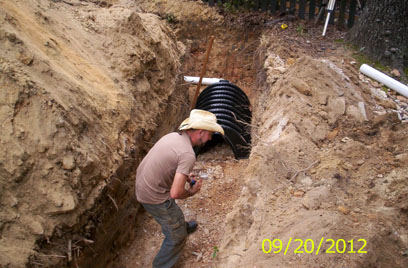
{"x": 310, "y": 123}
{"x": 223, "y": 159}
{"x": 97, "y": 219}
{"x": 132, "y": 234}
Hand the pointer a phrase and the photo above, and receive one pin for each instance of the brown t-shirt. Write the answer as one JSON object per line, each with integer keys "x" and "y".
{"x": 155, "y": 174}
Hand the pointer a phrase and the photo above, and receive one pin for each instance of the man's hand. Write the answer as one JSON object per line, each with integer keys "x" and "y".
{"x": 196, "y": 187}
{"x": 178, "y": 191}
{"x": 191, "y": 177}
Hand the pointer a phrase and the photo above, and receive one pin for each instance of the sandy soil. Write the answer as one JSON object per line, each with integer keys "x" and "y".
{"x": 86, "y": 81}
{"x": 82, "y": 84}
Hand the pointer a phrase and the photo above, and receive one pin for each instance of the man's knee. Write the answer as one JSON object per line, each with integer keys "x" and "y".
{"x": 179, "y": 233}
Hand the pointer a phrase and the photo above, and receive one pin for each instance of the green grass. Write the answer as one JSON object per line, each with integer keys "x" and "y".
{"x": 361, "y": 58}
{"x": 340, "y": 41}
{"x": 300, "y": 29}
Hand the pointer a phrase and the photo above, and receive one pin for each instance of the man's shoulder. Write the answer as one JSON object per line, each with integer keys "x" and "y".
{"x": 176, "y": 139}
{"x": 171, "y": 135}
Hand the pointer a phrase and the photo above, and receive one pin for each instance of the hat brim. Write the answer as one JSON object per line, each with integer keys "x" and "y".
{"x": 204, "y": 125}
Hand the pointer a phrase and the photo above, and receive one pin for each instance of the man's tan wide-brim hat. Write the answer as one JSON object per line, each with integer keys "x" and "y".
{"x": 200, "y": 119}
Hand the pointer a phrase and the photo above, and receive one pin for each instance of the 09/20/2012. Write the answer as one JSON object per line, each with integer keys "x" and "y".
{"x": 308, "y": 246}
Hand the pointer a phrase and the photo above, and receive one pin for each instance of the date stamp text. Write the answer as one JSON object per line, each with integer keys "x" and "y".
{"x": 308, "y": 246}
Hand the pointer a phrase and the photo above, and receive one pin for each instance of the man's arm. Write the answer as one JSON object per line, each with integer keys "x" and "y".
{"x": 178, "y": 191}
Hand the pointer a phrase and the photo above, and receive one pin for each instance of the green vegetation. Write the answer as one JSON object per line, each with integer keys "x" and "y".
{"x": 237, "y": 5}
{"x": 215, "y": 252}
{"x": 300, "y": 29}
{"x": 361, "y": 58}
{"x": 385, "y": 88}
{"x": 171, "y": 18}
{"x": 340, "y": 41}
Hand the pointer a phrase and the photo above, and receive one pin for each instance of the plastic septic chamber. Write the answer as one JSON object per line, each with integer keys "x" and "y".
{"x": 231, "y": 107}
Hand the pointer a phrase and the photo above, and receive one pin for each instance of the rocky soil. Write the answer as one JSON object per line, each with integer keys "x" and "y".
{"x": 88, "y": 86}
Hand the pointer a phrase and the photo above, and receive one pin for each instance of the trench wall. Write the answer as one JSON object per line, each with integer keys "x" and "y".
{"x": 85, "y": 92}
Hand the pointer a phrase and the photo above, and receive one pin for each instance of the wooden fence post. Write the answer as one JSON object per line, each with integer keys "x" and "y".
{"x": 342, "y": 14}
{"x": 256, "y": 5}
{"x": 352, "y": 13}
{"x": 264, "y": 5}
{"x": 292, "y": 8}
{"x": 312, "y": 9}
{"x": 273, "y": 6}
{"x": 283, "y": 6}
{"x": 302, "y": 9}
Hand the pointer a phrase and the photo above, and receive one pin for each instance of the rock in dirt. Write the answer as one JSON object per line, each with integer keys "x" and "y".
{"x": 290, "y": 61}
{"x": 336, "y": 107}
{"x": 302, "y": 87}
{"x": 314, "y": 198}
{"x": 307, "y": 181}
{"x": 343, "y": 210}
{"x": 387, "y": 103}
{"x": 403, "y": 158}
{"x": 332, "y": 134}
{"x": 395, "y": 73}
{"x": 33, "y": 225}
{"x": 357, "y": 113}
{"x": 68, "y": 162}
{"x": 299, "y": 193}
{"x": 280, "y": 69}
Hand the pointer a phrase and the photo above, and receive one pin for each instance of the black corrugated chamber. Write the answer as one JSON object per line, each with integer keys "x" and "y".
{"x": 231, "y": 107}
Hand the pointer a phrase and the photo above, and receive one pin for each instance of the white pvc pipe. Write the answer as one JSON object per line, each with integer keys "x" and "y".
{"x": 385, "y": 79}
{"x": 330, "y": 9}
{"x": 326, "y": 23}
{"x": 205, "y": 81}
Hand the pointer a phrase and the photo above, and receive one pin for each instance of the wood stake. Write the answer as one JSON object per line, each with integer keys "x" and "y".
{"x": 202, "y": 72}
{"x": 70, "y": 250}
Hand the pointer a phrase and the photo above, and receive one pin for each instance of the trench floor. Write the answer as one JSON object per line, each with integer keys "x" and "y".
{"x": 209, "y": 208}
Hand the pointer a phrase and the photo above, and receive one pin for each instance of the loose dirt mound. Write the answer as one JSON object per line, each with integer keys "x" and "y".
{"x": 324, "y": 164}
{"x": 81, "y": 86}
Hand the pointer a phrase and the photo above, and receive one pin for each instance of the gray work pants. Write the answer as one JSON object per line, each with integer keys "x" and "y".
{"x": 171, "y": 218}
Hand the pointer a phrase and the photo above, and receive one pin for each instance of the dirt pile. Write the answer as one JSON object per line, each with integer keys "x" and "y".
{"x": 327, "y": 162}
{"x": 82, "y": 88}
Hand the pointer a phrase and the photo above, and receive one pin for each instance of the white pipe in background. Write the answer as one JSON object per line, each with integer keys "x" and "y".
{"x": 385, "y": 79}
{"x": 205, "y": 81}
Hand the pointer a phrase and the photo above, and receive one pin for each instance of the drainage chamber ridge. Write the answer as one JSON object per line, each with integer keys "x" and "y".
{"x": 231, "y": 107}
